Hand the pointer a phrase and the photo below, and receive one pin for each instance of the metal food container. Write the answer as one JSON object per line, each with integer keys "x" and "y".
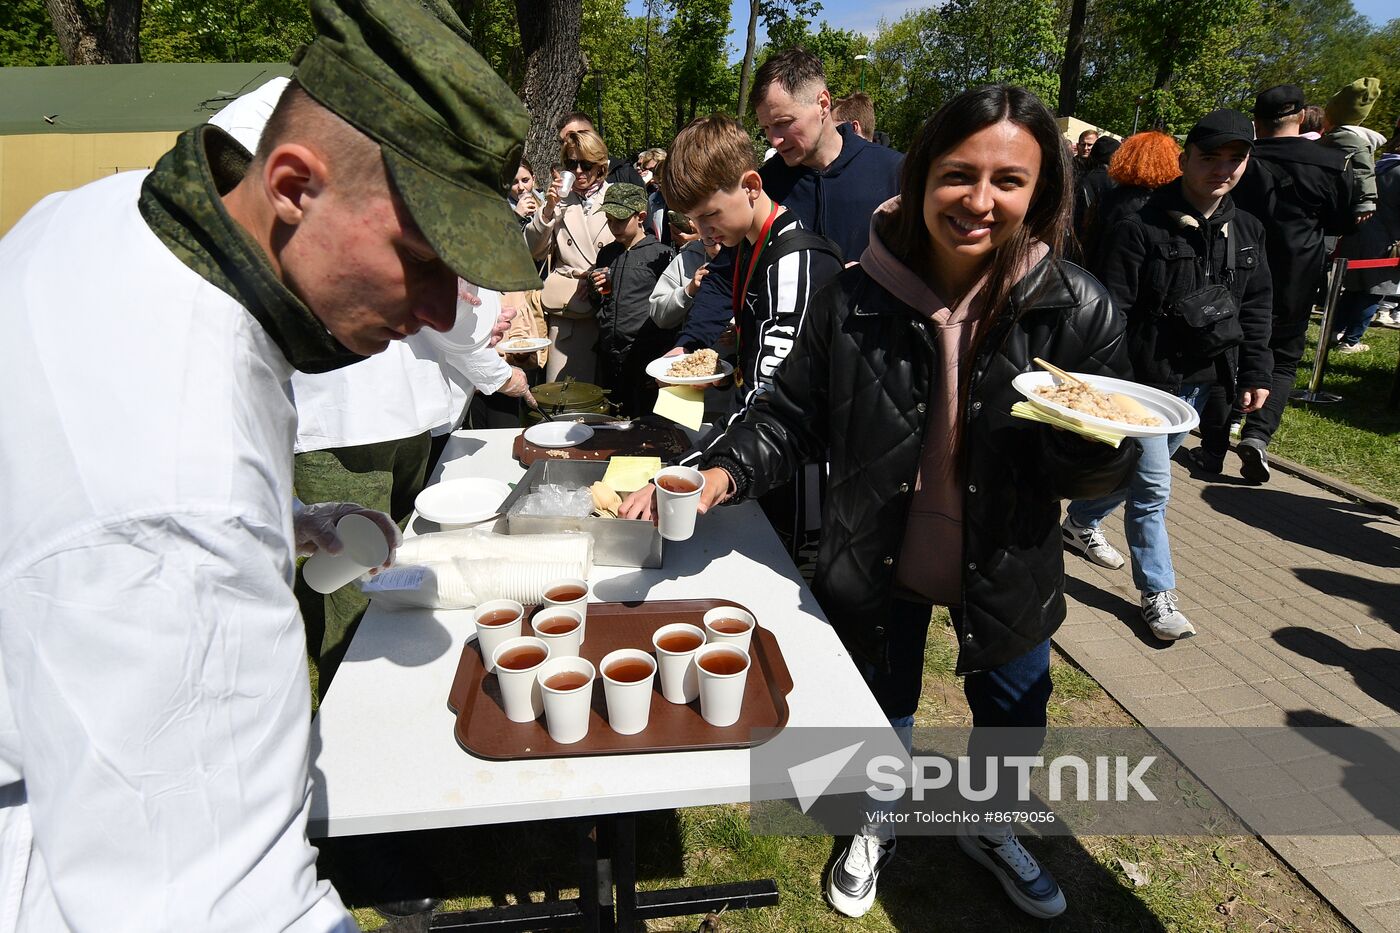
{"x": 617, "y": 542}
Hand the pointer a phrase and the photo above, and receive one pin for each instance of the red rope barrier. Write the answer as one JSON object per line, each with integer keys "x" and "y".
{"x": 1353, "y": 264}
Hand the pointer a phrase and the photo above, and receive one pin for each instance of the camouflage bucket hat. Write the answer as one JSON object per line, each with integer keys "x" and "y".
{"x": 624, "y": 200}
{"x": 450, "y": 130}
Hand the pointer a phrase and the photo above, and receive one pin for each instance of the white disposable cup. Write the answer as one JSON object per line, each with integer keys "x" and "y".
{"x": 364, "y": 547}
{"x": 520, "y": 690}
{"x": 629, "y": 704}
{"x": 740, "y": 640}
{"x": 579, "y": 605}
{"x": 721, "y": 695}
{"x": 566, "y": 712}
{"x": 676, "y": 510}
{"x": 679, "y": 683}
{"x": 566, "y": 184}
{"x": 489, "y": 637}
{"x": 565, "y": 644}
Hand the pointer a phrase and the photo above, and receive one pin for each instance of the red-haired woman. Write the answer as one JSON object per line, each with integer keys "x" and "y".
{"x": 1144, "y": 163}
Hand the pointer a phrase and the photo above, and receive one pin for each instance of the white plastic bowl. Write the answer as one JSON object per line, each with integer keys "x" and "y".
{"x": 1177, "y": 417}
{"x": 457, "y": 503}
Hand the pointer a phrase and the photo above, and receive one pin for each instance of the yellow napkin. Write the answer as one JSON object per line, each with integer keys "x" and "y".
{"x": 1035, "y": 413}
{"x": 685, "y": 405}
{"x": 628, "y": 474}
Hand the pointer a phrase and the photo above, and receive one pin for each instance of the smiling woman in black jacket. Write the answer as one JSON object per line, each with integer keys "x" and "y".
{"x": 901, "y": 380}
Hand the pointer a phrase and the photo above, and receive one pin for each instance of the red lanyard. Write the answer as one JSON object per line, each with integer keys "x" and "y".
{"x": 753, "y": 264}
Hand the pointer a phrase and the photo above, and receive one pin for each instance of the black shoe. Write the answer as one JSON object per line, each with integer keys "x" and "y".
{"x": 1254, "y": 460}
{"x": 1201, "y": 462}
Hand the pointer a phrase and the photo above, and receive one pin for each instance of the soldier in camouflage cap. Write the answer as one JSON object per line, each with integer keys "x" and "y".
{"x": 450, "y": 130}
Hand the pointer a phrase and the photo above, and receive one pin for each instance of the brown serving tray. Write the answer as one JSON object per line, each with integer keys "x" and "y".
{"x": 483, "y": 729}
{"x": 644, "y": 440}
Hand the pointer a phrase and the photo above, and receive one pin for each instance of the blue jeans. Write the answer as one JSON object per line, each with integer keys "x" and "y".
{"x": 1145, "y": 514}
{"x": 1353, "y": 315}
{"x": 1013, "y": 694}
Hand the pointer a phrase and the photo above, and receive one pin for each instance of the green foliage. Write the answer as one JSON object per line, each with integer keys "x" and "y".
{"x": 26, "y": 34}
{"x": 933, "y": 54}
{"x": 224, "y": 30}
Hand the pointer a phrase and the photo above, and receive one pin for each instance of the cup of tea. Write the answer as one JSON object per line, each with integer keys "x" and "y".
{"x": 559, "y": 627}
{"x": 566, "y": 685}
{"x": 723, "y": 670}
{"x": 627, "y": 676}
{"x": 570, "y": 593}
{"x": 496, "y": 621}
{"x": 675, "y": 646}
{"x": 729, "y": 625}
{"x": 677, "y": 498}
{"x": 363, "y": 546}
{"x": 566, "y": 184}
{"x": 517, "y": 662}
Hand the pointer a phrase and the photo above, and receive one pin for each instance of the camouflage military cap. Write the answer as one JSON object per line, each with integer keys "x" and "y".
{"x": 451, "y": 131}
{"x": 624, "y": 200}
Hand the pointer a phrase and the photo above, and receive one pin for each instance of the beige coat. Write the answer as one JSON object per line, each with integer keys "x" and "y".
{"x": 529, "y": 323}
{"x": 570, "y": 243}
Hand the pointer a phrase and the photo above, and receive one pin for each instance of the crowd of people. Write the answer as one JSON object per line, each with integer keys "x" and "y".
{"x": 280, "y": 323}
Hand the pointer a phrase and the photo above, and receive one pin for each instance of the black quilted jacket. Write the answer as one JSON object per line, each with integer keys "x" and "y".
{"x": 854, "y": 392}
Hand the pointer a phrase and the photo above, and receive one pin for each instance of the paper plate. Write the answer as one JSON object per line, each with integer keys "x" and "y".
{"x": 1177, "y": 417}
{"x": 558, "y": 434}
{"x": 526, "y": 344}
{"x": 462, "y": 501}
{"x": 658, "y": 368}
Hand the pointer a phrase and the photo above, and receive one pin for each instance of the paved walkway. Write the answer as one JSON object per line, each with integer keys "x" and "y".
{"x": 1296, "y": 595}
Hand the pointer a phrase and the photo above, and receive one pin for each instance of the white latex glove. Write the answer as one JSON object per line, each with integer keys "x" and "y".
{"x": 313, "y": 526}
{"x": 502, "y": 325}
{"x": 518, "y": 386}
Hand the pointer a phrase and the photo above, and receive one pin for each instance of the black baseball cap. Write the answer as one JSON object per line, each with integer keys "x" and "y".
{"x": 1284, "y": 100}
{"x": 1220, "y": 127}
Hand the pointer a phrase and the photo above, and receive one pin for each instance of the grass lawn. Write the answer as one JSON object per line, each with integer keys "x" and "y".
{"x": 1358, "y": 438}
{"x": 1193, "y": 884}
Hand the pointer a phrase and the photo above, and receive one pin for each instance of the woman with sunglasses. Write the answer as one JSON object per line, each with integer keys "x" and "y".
{"x": 567, "y": 232}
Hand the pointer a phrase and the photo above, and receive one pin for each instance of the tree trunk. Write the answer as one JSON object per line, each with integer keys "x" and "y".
{"x": 746, "y": 70}
{"x": 83, "y": 42}
{"x": 554, "y": 68}
{"x": 1074, "y": 59}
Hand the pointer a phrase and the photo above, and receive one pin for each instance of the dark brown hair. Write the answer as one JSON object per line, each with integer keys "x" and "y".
{"x": 793, "y": 69}
{"x": 711, "y": 154}
{"x": 570, "y": 117}
{"x": 1312, "y": 119}
{"x": 1048, "y": 217}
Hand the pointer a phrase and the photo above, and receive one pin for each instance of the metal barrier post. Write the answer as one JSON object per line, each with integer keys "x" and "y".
{"x": 1313, "y": 394}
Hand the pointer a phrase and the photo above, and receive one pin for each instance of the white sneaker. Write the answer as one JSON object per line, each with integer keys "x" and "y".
{"x": 1161, "y": 615}
{"x": 1030, "y": 887}
{"x": 851, "y": 885}
{"x": 1353, "y": 347}
{"x": 1090, "y": 543}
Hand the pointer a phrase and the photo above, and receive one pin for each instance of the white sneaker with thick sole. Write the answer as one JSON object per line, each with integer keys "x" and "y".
{"x": 1161, "y": 615}
{"x": 1090, "y": 543}
{"x": 851, "y": 885}
{"x": 1030, "y": 887}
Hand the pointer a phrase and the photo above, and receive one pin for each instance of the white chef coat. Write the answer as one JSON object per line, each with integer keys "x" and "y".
{"x": 420, "y": 384}
{"x": 155, "y": 701}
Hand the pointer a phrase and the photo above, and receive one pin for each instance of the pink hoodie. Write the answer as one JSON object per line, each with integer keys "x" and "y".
{"x": 930, "y": 558}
